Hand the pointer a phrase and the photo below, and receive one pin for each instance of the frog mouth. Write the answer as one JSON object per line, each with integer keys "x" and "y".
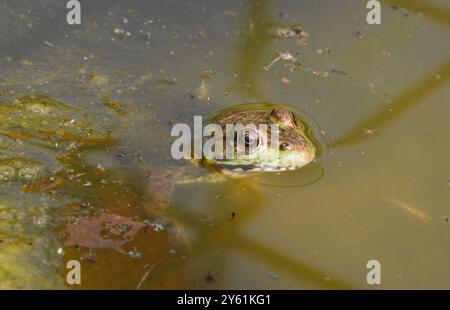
{"x": 252, "y": 168}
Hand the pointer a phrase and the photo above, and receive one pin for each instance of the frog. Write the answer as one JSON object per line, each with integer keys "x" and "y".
{"x": 300, "y": 142}
{"x": 297, "y": 144}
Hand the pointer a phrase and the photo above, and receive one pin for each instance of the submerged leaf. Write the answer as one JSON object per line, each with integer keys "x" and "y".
{"x": 90, "y": 232}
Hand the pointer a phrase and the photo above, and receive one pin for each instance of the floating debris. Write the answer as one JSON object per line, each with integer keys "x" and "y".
{"x": 285, "y": 80}
{"x": 321, "y": 51}
{"x": 294, "y": 31}
{"x": 145, "y": 34}
{"x": 292, "y": 62}
{"x": 114, "y": 105}
{"x": 210, "y": 278}
{"x": 84, "y": 205}
{"x": 99, "y": 79}
{"x": 208, "y": 74}
{"x": 274, "y": 276}
{"x": 134, "y": 253}
{"x": 203, "y": 91}
{"x": 157, "y": 227}
{"x": 208, "y": 220}
{"x": 369, "y": 132}
{"x": 89, "y": 259}
{"x": 425, "y": 218}
{"x": 143, "y": 79}
{"x": 27, "y": 62}
{"x": 120, "y": 32}
{"x": 320, "y": 73}
{"x": 43, "y": 186}
{"x": 233, "y": 216}
{"x": 49, "y": 44}
{"x": 339, "y": 71}
{"x": 358, "y": 35}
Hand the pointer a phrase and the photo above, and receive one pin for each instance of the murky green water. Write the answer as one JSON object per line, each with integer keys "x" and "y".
{"x": 86, "y": 168}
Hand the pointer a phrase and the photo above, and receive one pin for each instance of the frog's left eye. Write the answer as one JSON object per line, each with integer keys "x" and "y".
{"x": 249, "y": 141}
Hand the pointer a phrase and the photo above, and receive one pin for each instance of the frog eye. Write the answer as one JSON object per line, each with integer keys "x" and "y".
{"x": 285, "y": 146}
{"x": 251, "y": 142}
{"x": 248, "y": 140}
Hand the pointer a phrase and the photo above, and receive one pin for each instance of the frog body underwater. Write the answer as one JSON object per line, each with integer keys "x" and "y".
{"x": 298, "y": 144}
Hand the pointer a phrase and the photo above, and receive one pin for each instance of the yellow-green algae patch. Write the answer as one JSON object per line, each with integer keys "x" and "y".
{"x": 51, "y": 194}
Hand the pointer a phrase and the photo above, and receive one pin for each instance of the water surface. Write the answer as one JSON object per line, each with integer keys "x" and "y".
{"x": 380, "y": 94}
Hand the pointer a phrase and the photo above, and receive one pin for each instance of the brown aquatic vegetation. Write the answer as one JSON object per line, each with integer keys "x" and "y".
{"x": 102, "y": 232}
{"x": 114, "y": 105}
{"x": 17, "y": 135}
{"x": 82, "y": 142}
{"x": 160, "y": 187}
{"x": 425, "y": 218}
{"x": 45, "y": 185}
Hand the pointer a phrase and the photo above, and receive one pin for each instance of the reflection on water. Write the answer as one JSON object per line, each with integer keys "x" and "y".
{"x": 239, "y": 203}
{"x": 399, "y": 106}
{"x": 255, "y": 42}
{"x": 101, "y": 167}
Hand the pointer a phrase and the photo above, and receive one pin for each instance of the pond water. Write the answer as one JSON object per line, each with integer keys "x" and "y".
{"x": 86, "y": 115}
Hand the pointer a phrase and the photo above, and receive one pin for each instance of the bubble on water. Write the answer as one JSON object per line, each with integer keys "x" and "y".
{"x": 28, "y": 174}
{"x": 135, "y": 254}
{"x": 274, "y": 276}
{"x": 99, "y": 80}
{"x": 40, "y": 221}
{"x": 38, "y": 108}
{"x": 7, "y": 173}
